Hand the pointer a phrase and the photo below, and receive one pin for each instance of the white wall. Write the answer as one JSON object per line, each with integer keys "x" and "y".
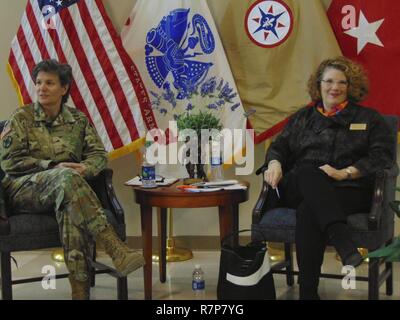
{"x": 195, "y": 222}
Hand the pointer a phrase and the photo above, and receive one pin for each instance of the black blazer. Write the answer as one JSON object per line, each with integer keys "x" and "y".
{"x": 358, "y": 136}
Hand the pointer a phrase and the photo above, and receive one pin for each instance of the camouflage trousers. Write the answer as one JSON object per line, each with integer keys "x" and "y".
{"x": 78, "y": 211}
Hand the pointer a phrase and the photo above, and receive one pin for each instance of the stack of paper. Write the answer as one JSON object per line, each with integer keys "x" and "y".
{"x": 137, "y": 182}
{"x": 211, "y": 184}
{"x": 219, "y": 185}
{"x": 196, "y": 189}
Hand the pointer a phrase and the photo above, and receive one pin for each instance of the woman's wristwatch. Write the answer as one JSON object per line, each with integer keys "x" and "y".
{"x": 349, "y": 173}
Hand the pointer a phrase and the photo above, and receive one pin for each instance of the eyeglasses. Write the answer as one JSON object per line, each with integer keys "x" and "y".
{"x": 331, "y": 83}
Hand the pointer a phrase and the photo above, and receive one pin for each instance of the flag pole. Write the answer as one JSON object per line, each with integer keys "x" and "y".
{"x": 174, "y": 254}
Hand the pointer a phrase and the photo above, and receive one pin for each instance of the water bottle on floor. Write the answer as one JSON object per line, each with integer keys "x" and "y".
{"x": 198, "y": 283}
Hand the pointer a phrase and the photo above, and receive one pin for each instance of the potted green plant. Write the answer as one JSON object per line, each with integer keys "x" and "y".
{"x": 197, "y": 122}
{"x": 390, "y": 253}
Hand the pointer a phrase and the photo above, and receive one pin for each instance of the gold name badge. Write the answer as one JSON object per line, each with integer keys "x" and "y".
{"x": 358, "y": 126}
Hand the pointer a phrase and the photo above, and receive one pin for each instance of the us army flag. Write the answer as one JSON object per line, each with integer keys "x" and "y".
{"x": 273, "y": 47}
{"x": 180, "y": 57}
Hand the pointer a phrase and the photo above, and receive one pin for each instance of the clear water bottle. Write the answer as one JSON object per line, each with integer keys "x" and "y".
{"x": 216, "y": 173}
{"x": 216, "y": 170}
{"x": 198, "y": 283}
{"x": 148, "y": 170}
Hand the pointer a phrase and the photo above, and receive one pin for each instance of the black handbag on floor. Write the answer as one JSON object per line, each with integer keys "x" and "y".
{"x": 245, "y": 272}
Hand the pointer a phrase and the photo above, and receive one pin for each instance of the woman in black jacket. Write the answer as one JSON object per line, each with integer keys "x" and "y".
{"x": 324, "y": 163}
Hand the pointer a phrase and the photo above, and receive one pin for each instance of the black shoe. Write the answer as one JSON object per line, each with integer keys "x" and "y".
{"x": 340, "y": 237}
{"x": 306, "y": 296}
{"x": 354, "y": 260}
{"x": 308, "y": 293}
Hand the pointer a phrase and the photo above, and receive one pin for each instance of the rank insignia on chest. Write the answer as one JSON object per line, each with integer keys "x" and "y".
{"x": 358, "y": 126}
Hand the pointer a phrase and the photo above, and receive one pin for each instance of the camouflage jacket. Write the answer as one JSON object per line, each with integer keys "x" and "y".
{"x": 357, "y": 136}
{"x": 31, "y": 143}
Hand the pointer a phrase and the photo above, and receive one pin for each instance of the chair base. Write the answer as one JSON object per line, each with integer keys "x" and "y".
{"x": 97, "y": 268}
{"x": 375, "y": 278}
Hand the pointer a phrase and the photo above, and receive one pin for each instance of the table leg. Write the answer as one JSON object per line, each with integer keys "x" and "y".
{"x": 162, "y": 242}
{"x": 228, "y": 221}
{"x": 146, "y": 219}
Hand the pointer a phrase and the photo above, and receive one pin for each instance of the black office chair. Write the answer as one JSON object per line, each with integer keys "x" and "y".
{"x": 369, "y": 230}
{"x": 24, "y": 232}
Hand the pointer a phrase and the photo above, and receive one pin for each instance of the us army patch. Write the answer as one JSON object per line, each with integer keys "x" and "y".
{"x": 7, "y": 142}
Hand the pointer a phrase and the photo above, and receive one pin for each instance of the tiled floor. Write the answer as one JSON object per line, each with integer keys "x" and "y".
{"x": 178, "y": 284}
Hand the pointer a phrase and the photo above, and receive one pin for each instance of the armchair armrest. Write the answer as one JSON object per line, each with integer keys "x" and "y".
{"x": 4, "y": 223}
{"x": 261, "y": 202}
{"x": 261, "y": 169}
{"x": 385, "y": 181}
{"x": 375, "y": 214}
{"x": 103, "y": 187}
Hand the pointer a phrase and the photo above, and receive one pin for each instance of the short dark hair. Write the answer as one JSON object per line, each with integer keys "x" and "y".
{"x": 63, "y": 70}
{"x": 355, "y": 74}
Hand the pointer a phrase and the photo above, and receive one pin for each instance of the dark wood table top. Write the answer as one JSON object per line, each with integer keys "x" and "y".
{"x": 172, "y": 197}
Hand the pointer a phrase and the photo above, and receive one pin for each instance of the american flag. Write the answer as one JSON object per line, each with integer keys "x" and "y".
{"x": 107, "y": 86}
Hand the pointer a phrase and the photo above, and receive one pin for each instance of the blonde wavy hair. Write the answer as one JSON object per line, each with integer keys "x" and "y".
{"x": 358, "y": 84}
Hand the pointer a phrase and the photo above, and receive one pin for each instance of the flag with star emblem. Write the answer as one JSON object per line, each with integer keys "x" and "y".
{"x": 367, "y": 33}
{"x": 106, "y": 85}
{"x": 273, "y": 47}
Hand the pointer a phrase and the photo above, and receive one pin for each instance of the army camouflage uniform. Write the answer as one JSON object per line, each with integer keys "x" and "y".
{"x": 31, "y": 145}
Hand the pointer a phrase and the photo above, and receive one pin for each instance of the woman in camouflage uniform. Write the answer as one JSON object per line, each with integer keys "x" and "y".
{"x": 48, "y": 149}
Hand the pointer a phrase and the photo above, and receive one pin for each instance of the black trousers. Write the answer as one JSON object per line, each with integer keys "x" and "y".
{"x": 319, "y": 204}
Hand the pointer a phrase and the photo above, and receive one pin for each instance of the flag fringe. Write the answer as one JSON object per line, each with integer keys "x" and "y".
{"x": 15, "y": 85}
{"x": 129, "y": 148}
